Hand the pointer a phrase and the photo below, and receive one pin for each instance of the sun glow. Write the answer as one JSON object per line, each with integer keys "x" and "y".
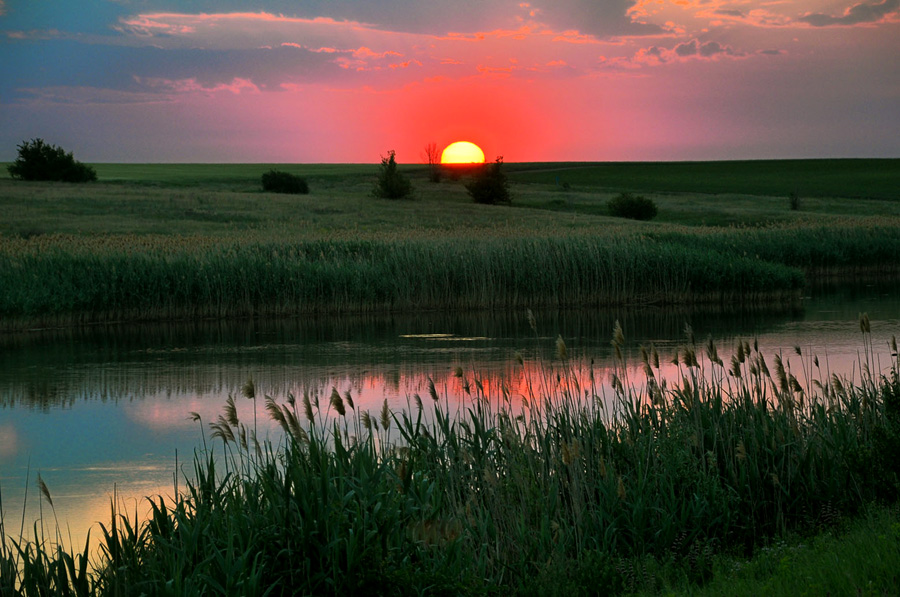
{"x": 462, "y": 152}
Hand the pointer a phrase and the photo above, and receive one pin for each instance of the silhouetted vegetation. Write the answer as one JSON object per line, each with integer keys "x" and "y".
{"x": 432, "y": 156}
{"x": 391, "y": 184}
{"x": 284, "y": 182}
{"x": 490, "y": 185}
{"x": 38, "y": 160}
{"x": 635, "y": 207}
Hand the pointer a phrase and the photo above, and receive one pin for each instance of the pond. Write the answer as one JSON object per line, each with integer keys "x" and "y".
{"x": 106, "y": 410}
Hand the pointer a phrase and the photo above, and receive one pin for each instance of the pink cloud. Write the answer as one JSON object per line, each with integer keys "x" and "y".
{"x": 191, "y": 86}
{"x": 153, "y": 25}
{"x": 168, "y": 22}
{"x": 574, "y": 37}
{"x": 405, "y": 64}
{"x": 503, "y": 71}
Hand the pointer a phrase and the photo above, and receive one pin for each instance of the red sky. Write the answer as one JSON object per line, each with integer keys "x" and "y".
{"x": 345, "y": 81}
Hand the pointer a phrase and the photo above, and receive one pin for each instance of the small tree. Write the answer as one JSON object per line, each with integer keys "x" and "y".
{"x": 391, "y": 184}
{"x": 284, "y": 182}
{"x": 41, "y": 161}
{"x": 636, "y": 207}
{"x": 432, "y": 156}
{"x": 490, "y": 185}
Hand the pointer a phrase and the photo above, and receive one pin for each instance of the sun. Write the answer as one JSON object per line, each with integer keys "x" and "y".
{"x": 462, "y": 152}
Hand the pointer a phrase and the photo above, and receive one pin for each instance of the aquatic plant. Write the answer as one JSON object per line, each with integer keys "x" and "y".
{"x": 565, "y": 490}
{"x": 71, "y": 280}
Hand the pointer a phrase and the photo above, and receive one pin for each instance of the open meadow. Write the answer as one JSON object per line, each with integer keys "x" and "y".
{"x": 169, "y": 241}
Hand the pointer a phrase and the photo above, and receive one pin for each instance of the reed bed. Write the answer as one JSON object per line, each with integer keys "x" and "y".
{"x": 569, "y": 492}
{"x": 72, "y": 280}
{"x": 837, "y": 247}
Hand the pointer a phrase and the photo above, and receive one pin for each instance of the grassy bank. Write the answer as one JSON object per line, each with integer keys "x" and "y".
{"x": 568, "y": 493}
{"x": 160, "y": 241}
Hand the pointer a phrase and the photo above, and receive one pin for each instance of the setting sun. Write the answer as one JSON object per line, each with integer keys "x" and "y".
{"x": 462, "y": 152}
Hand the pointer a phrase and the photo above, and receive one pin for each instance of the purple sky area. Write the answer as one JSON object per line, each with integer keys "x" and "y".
{"x": 546, "y": 80}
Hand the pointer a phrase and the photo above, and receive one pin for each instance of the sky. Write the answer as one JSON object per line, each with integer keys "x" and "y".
{"x": 316, "y": 81}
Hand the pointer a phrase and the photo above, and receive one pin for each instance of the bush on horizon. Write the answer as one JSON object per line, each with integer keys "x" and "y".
{"x": 38, "y": 160}
{"x": 284, "y": 182}
{"x": 635, "y": 207}
{"x": 490, "y": 185}
{"x": 391, "y": 184}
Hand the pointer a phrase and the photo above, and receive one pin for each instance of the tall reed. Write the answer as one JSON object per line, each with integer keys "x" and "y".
{"x": 61, "y": 280}
{"x": 560, "y": 491}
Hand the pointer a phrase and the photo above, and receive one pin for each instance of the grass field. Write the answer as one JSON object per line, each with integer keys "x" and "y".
{"x": 187, "y": 240}
{"x": 857, "y": 179}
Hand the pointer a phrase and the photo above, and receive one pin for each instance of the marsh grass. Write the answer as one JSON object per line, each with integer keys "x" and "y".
{"x": 559, "y": 491}
{"x": 65, "y": 280}
{"x": 197, "y": 243}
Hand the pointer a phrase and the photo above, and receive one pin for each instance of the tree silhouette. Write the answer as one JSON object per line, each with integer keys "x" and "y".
{"x": 38, "y": 160}
{"x": 391, "y": 184}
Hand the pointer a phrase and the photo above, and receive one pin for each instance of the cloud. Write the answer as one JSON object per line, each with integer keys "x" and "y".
{"x": 435, "y": 17}
{"x": 181, "y": 86}
{"x": 864, "y": 12}
{"x": 692, "y": 49}
{"x": 84, "y": 95}
{"x": 36, "y": 34}
{"x": 609, "y": 18}
{"x": 234, "y": 30}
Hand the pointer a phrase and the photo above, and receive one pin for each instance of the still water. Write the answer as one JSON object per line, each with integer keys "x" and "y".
{"x": 107, "y": 409}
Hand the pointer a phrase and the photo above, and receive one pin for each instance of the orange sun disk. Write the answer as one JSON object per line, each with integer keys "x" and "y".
{"x": 462, "y": 152}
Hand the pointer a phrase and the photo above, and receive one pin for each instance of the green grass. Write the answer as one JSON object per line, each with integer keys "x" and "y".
{"x": 185, "y": 240}
{"x": 667, "y": 484}
{"x": 858, "y": 556}
{"x": 61, "y": 279}
{"x": 849, "y": 178}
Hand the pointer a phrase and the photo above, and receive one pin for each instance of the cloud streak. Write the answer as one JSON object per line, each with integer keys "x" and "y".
{"x": 862, "y": 13}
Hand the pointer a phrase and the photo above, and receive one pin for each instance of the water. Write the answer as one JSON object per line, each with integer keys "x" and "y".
{"x": 107, "y": 409}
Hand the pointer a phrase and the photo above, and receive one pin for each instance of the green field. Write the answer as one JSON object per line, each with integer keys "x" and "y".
{"x": 151, "y": 241}
{"x": 848, "y": 178}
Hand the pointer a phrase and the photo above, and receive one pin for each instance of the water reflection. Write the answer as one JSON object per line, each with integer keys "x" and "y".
{"x": 107, "y": 407}
{"x": 57, "y": 368}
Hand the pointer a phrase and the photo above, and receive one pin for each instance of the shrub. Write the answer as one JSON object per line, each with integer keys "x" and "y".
{"x": 391, "y": 184}
{"x": 490, "y": 185}
{"x": 794, "y": 201}
{"x": 41, "y": 161}
{"x": 636, "y": 207}
{"x": 284, "y": 182}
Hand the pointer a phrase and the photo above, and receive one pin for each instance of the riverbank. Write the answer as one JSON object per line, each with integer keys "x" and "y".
{"x": 565, "y": 494}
